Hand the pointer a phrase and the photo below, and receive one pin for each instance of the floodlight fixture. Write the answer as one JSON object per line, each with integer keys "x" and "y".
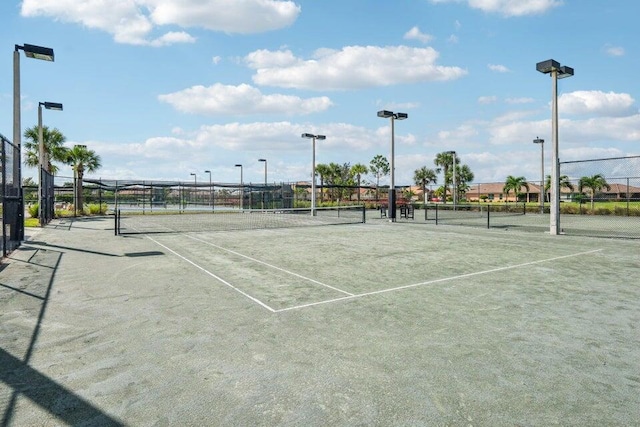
{"x": 313, "y": 168}
{"x": 36, "y": 52}
{"x": 386, "y": 114}
{"x": 557, "y": 71}
{"x": 44, "y": 214}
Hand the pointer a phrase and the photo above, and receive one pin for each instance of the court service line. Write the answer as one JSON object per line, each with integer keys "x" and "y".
{"x": 220, "y": 279}
{"x": 444, "y": 279}
{"x": 272, "y": 266}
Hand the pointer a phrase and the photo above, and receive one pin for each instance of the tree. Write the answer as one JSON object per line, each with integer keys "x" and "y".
{"x": 323, "y": 171}
{"x": 423, "y": 177}
{"x": 515, "y": 184}
{"x": 564, "y": 183}
{"x": 54, "y": 148}
{"x": 358, "y": 170}
{"x": 464, "y": 176}
{"x": 379, "y": 166}
{"x": 594, "y": 183}
{"x": 444, "y": 161}
{"x": 82, "y": 159}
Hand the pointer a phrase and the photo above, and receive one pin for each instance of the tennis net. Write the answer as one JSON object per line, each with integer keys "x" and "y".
{"x": 472, "y": 214}
{"x": 185, "y": 221}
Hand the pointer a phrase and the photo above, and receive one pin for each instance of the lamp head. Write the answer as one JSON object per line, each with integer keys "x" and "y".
{"x": 538, "y": 141}
{"x": 385, "y": 114}
{"x": 238, "y": 165}
{"x": 564, "y": 72}
{"x": 262, "y": 160}
{"x": 37, "y": 52}
{"x": 547, "y": 66}
{"x": 52, "y": 106}
{"x": 401, "y": 116}
{"x": 321, "y": 137}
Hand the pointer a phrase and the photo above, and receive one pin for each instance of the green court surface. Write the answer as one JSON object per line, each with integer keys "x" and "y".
{"x": 359, "y": 324}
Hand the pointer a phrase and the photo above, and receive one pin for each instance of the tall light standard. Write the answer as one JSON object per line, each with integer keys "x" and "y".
{"x": 264, "y": 192}
{"x": 210, "y": 189}
{"x": 541, "y": 142}
{"x": 241, "y": 188}
{"x": 313, "y": 168}
{"x": 392, "y": 188}
{"x": 195, "y": 187}
{"x": 557, "y": 71}
{"x": 453, "y": 186}
{"x": 41, "y": 160}
{"x": 36, "y": 52}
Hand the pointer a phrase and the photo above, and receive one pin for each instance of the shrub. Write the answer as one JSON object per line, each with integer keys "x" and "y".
{"x": 601, "y": 211}
{"x": 96, "y": 209}
{"x": 34, "y": 210}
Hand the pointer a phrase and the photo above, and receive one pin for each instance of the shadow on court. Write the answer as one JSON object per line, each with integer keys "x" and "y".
{"x": 27, "y": 282}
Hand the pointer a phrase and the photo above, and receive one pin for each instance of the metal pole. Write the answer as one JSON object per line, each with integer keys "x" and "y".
{"x": 542, "y": 192}
{"x": 554, "y": 223}
{"x": 41, "y": 195}
{"x": 264, "y": 193}
{"x": 455, "y": 195}
{"x": 17, "y": 138}
{"x": 313, "y": 177}
{"x": 392, "y": 186}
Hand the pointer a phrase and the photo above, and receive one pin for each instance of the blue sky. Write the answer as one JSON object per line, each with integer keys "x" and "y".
{"x": 161, "y": 89}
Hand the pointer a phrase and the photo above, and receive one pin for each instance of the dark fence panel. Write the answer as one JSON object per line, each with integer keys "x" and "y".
{"x": 12, "y": 204}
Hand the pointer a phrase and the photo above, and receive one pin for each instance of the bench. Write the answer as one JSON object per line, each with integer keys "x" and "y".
{"x": 406, "y": 211}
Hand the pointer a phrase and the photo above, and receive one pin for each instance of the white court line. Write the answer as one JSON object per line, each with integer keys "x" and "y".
{"x": 444, "y": 279}
{"x": 257, "y": 301}
{"x": 272, "y": 266}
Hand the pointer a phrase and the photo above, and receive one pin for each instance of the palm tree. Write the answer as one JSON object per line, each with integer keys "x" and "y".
{"x": 464, "y": 176}
{"x": 54, "y": 148}
{"x": 594, "y": 183}
{"x": 379, "y": 166}
{"x": 323, "y": 171}
{"x": 81, "y": 159}
{"x": 444, "y": 161}
{"x": 358, "y": 170}
{"x": 515, "y": 184}
{"x": 564, "y": 183}
{"x": 423, "y": 177}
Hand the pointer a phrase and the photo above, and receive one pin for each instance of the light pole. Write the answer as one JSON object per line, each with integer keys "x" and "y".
{"x": 195, "y": 187}
{"x": 241, "y": 188}
{"x": 210, "y": 189}
{"x": 264, "y": 192}
{"x": 557, "y": 71}
{"x": 313, "y": 169}
{"x": 392, "y": 188}
{"x": 30, "y": 51}
{"x": 41, "y": 160}
{"x": 453, "y": 185}
{"x": 542, "y": 192}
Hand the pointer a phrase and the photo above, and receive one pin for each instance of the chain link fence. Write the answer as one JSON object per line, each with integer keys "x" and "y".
{"x": 12, "y": 204}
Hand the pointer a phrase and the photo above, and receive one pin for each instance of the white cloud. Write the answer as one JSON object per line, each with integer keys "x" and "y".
{"x": 487, "y": 99}
{"x": 133, "y": 21}
{"x": 519, "y": 100}
{"x": 416, "y": 34}
{"x": 596, "y": 102}
{"x": 453, "y": 39}
{"x": 509, "y": 8}
{"x": 498, "y": 68}
{"x": 614, "y": 50}
{"x": 216, "y": 60}
{"x": 243, "y": 99}
{"x": 349, "y": 68}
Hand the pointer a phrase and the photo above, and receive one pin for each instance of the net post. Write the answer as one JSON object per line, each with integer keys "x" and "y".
{"x": 116, "y": 214}
{"x": 364, "y": 214}
{"x": 488, "y": 216}
{"x": 436, "y": 214}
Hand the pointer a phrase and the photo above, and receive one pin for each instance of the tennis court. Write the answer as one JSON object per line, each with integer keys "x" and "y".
{"x": 354, "y": 324}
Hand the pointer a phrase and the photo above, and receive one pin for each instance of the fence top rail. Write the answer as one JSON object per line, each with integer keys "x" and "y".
{"x": 599, "y": 160}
